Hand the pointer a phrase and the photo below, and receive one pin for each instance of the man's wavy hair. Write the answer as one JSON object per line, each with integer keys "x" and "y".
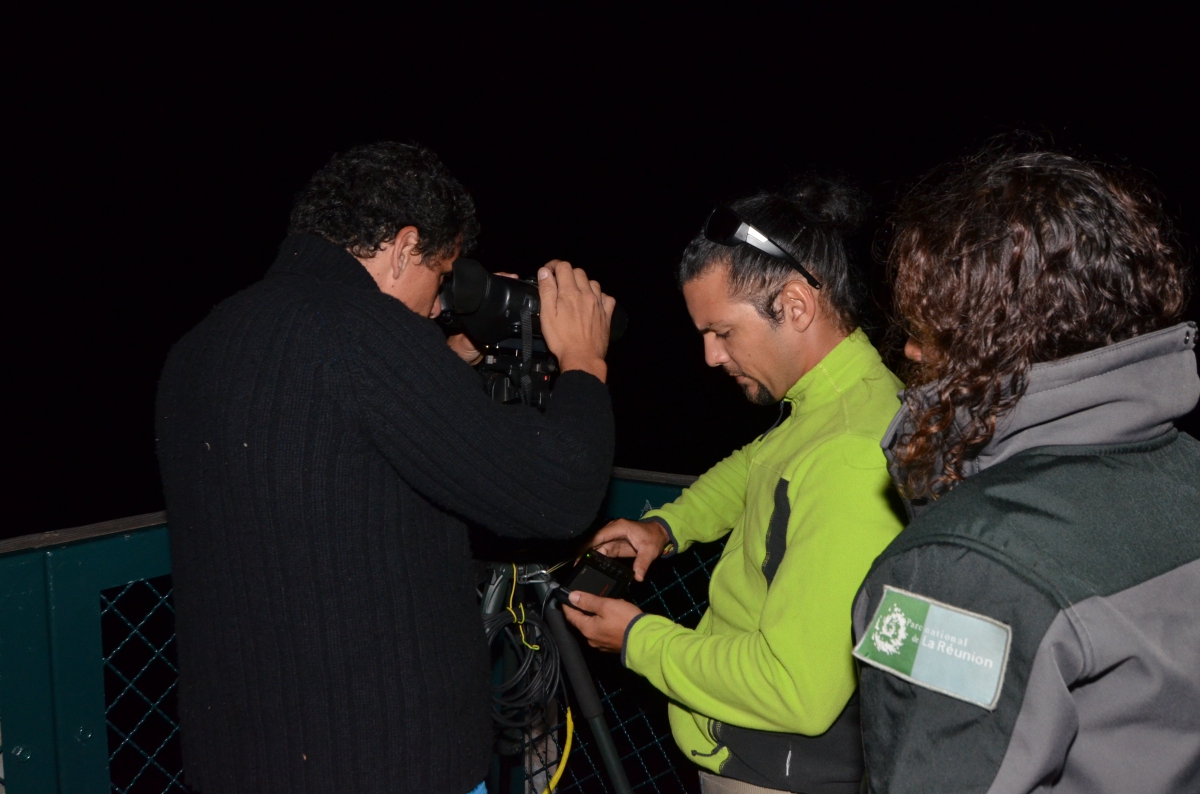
{"x": 363, "y": 197}
{"x": 1005, "y": 260}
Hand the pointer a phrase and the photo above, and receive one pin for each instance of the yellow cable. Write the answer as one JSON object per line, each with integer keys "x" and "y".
{"x": 562, "y": 763}
{"x": 520, "y": 623}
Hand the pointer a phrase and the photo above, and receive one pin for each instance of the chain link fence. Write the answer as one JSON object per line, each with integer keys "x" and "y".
{"x": 137, "y": 624}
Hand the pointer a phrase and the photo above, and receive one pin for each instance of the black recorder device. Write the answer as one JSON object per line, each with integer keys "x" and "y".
{"x": 598, "y": 575}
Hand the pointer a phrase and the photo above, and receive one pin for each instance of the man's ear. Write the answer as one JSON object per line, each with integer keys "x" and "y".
{"x": 799, "y": 303}
{"x": 405, "y": 250}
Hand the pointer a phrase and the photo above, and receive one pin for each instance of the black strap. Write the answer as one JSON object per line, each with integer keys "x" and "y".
{"x": 526, "y": 354}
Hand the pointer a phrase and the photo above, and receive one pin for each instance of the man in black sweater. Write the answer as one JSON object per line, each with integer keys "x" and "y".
{"x": 322, "y": 450}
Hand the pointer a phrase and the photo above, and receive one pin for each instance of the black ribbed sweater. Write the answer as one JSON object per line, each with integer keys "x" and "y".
{"x": 321, "y": 449}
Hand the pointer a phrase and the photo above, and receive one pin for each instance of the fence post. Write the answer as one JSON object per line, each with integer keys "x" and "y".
{"x": 26, "y": 686}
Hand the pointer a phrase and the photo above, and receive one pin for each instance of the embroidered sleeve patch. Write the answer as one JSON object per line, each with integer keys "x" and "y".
{"x": 937, "y": 646}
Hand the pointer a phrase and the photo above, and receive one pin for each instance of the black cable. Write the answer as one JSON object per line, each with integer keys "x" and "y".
{"x": 542, "y": 646}
{"x": 521, "y": 700}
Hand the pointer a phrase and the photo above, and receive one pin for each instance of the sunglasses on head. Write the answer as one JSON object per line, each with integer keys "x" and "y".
{"x": 725, "y": 227}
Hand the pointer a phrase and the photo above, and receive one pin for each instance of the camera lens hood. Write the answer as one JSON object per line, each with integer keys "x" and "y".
{"x": 469, "y": 284}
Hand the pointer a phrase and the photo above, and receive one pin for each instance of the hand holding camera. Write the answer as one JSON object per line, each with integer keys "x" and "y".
{"x": 576, "y": 316}
{"x": 497, "y": 321}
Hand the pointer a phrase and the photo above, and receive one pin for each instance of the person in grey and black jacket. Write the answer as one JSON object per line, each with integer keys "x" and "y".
{"x": 1035, "y": 627}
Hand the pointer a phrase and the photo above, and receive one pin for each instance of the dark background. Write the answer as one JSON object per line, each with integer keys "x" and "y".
{"x": 151, "y": 162}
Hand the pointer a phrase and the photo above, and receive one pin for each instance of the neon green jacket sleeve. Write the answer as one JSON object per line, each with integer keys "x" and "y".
{"x": 792, "y": 671}
{"x": 711, "y": 505}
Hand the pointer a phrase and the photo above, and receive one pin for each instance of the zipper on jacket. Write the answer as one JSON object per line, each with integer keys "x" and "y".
{"x": 785, "y": 410}
{"x": 713, "y": 727}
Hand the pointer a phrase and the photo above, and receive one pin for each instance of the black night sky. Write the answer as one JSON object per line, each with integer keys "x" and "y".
{"x": 152, "y": 160}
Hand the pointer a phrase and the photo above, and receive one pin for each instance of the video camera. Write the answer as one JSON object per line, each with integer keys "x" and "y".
{"x": 501, "y": 316}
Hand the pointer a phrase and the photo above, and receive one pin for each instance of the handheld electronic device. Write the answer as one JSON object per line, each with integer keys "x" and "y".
{"x": 598, "y": 575}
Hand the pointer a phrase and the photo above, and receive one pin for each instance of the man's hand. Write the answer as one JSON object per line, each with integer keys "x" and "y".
{"x": 605, "y": 628}
{"x": 465, "y": 348}
{"x": 643, "y": 540}
{"x": 575, "y": 317}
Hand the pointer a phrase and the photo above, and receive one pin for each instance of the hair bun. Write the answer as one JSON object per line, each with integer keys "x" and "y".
{"x": 830, "y": 202}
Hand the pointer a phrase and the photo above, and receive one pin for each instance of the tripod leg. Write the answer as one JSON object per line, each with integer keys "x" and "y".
{"x": 585, "y": 692}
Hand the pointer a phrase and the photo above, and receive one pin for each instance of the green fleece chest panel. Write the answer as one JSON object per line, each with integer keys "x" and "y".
{"x": 937, "y": 646}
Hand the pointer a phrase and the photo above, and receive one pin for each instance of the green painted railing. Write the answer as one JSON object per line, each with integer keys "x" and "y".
{"x": 87, "y": 711}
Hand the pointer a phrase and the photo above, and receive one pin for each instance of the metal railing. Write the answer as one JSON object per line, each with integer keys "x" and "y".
{"x": 88, "y": 673}
{"x": 53, "y": 706}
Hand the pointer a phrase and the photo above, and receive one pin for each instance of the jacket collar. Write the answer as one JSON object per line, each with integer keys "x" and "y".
{"x": 841, "y": 368}
{"x": 316, "y": 257}
{"x": 1124, "y": 393}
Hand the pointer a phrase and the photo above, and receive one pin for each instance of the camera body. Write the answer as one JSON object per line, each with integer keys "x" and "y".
{"x": 501, "y": 316}
{"x": 503, "y": 367}
{"x": 487, "y": 307}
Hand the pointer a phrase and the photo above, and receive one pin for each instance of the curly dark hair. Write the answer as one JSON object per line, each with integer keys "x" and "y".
{"x": 1005, "y": 260}
{"x": 363, "y": 197}
{"x": 811, "y": 221}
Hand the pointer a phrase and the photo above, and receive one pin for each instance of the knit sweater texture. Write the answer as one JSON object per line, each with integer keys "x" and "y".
{"x": 322, "y": 453}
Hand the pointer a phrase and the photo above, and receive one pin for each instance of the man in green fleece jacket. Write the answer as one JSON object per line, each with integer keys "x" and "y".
{"x": 762, "y": 691}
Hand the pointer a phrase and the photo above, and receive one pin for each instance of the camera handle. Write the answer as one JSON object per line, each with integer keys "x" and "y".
{"x": 584, "y": 687}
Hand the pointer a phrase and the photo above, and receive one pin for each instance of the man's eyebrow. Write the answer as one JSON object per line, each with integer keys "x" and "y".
{"x": 711, "y": 327}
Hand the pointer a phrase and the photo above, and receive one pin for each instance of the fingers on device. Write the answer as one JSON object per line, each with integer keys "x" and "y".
{"x": 598, "y": 575}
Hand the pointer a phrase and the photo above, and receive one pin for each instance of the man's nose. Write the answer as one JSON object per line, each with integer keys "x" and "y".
{"x": 714, "y": 351}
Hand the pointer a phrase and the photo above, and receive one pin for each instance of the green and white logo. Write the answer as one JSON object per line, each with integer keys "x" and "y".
{"x": 937, "y": 646}
{"x": 891, "y": 632}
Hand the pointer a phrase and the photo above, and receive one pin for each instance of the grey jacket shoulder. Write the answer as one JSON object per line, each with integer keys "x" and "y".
{"x": 1075, "y": 521}
{"x": 1091, "y": 555}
